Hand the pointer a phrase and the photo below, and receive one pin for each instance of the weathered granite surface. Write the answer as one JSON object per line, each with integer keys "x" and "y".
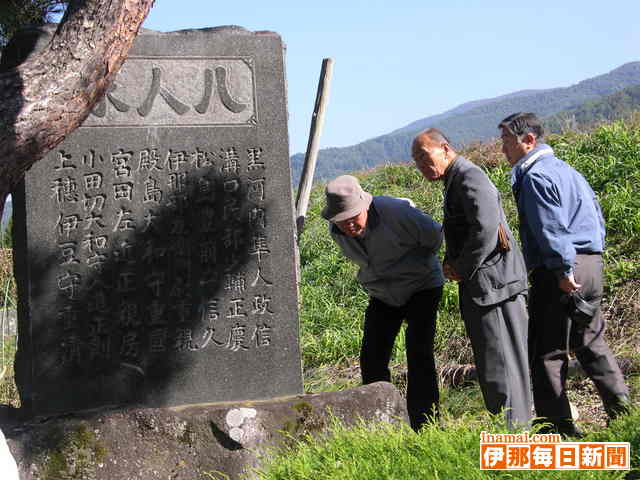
{"x": 155, "y": 246}
{"x": 185, "y": 442}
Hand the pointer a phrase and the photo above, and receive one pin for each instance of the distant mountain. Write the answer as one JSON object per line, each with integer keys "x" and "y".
{"x": 616, "y": 106}
{"x": 467, "y": 123}
{"x": 425, "y": 123}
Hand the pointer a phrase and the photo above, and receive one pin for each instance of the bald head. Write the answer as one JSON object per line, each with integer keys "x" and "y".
{"x": 430, "y": 137}
{"x": 432, "y": 153}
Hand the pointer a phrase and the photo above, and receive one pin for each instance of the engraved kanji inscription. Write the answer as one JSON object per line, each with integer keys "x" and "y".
{"x": 67, "y": 224}
{"x": 174, "y": 90}
{"x": 230, "y": 159}
{"x": 262, "y": 335}
{"x": 261, "y": 305}
{"x": 149, "y": 159}
{"x": 65, "y": 190}
{"x": 152, "y": 191}
{"x": 124, "y": 220}
{"x": 259, "y": 247}
{"x": 100, "y": 110}
{"x": 64, "y": 161}
{"x": 236, "y": 308}
{"x": 255, "y": 163}
{"x": 183, "y": 340}
{"x": 235, "y": 282}
{"x": 93, "y": 181}
{"x": 93, "y": 243}
{"x": 175, "y": 159}
{"x": 255, "y": 191}
{"x": 95, "y": 202}
{"x": 90, "y": 159}
{"x": 69, "y": 284}
{"x": 237, "y": 338}
{"x": 156, "y": 88}
{"x": 68, "y": 253}
{"x": 120, "y": 160}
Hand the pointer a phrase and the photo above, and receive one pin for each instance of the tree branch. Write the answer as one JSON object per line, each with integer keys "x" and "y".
{"x": 48, "y": 96}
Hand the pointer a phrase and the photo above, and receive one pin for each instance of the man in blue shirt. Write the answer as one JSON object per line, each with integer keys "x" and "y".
{"x": 562, "y": 233}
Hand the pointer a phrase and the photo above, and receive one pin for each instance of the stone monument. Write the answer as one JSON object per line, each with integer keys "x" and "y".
{"x": 155, "y": 247}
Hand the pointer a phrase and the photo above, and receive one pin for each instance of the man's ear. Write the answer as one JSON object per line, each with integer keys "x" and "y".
{"x": 530, "y": 139}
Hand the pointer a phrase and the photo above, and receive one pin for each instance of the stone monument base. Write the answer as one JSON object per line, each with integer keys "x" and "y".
{"x": 187, "y": 442}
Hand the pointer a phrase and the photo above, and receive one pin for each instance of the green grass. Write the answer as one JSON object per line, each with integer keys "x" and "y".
{"x": 8, "y": 392}
{"x": 449, "y": 450}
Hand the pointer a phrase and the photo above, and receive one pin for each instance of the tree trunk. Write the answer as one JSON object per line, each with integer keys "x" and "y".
{"x": 48, "y": 96}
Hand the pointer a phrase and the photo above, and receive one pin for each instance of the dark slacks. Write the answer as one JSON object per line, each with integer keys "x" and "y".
{"x": 498, "y": 335}
{"x": 382, "y": 323}
{"x": 548, "y": 339}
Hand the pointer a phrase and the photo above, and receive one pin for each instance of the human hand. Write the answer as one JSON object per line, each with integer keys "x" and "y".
{"x": 568, "y": 284}
{"x": 450, "y": 273}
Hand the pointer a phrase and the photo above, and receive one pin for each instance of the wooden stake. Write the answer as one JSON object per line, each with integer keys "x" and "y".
{"x": 317, "y": 121}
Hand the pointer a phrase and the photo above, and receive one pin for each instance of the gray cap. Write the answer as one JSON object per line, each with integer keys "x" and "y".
{"x": 345, "y": 199}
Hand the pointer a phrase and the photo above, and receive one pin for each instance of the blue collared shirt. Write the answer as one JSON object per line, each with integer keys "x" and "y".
{"x": 559, "y": 213}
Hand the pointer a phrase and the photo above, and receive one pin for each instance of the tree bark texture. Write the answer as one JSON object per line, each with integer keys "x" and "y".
{"x": 48, "y": 96}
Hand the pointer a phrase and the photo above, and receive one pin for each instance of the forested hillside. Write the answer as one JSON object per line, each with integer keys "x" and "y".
{"x": 617, "y": 106}
{"x": 469, "y": 122}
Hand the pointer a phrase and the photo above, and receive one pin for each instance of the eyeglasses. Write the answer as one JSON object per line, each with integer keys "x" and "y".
{"x": 346, "y": 222}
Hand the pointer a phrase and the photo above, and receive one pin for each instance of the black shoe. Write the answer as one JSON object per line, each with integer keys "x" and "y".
{"x": 617, "y": 405}
{"x": 565, "y": 427}
{"x": 570, "y": 431}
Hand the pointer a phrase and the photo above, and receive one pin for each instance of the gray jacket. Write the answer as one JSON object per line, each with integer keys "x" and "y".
{"x": 472, "y": 214}
{"x": 397, "y": 254}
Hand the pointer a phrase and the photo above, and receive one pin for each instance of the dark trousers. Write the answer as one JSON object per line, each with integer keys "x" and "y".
{"x": 548, "y": 338}
{"x": 498, "y": 335}
{"x": 381, "y": 325}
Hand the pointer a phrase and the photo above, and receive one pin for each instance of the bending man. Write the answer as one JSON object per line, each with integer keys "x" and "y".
{"x": 395, "y": 246}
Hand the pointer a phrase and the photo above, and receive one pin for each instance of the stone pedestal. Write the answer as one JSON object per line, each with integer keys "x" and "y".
{"x": 185, "y": 442}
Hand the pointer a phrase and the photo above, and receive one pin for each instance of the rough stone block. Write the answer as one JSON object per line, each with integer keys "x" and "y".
{"x": 185, "y": 442}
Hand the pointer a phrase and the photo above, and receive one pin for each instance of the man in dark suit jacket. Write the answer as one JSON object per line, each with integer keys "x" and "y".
{"x": 483, "y": 257}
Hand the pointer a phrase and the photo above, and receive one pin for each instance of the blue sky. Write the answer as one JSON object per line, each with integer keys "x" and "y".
{"x": 396, "y": 62}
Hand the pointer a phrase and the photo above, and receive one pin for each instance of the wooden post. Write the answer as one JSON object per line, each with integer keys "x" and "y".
{"x": 317, "y": 121}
